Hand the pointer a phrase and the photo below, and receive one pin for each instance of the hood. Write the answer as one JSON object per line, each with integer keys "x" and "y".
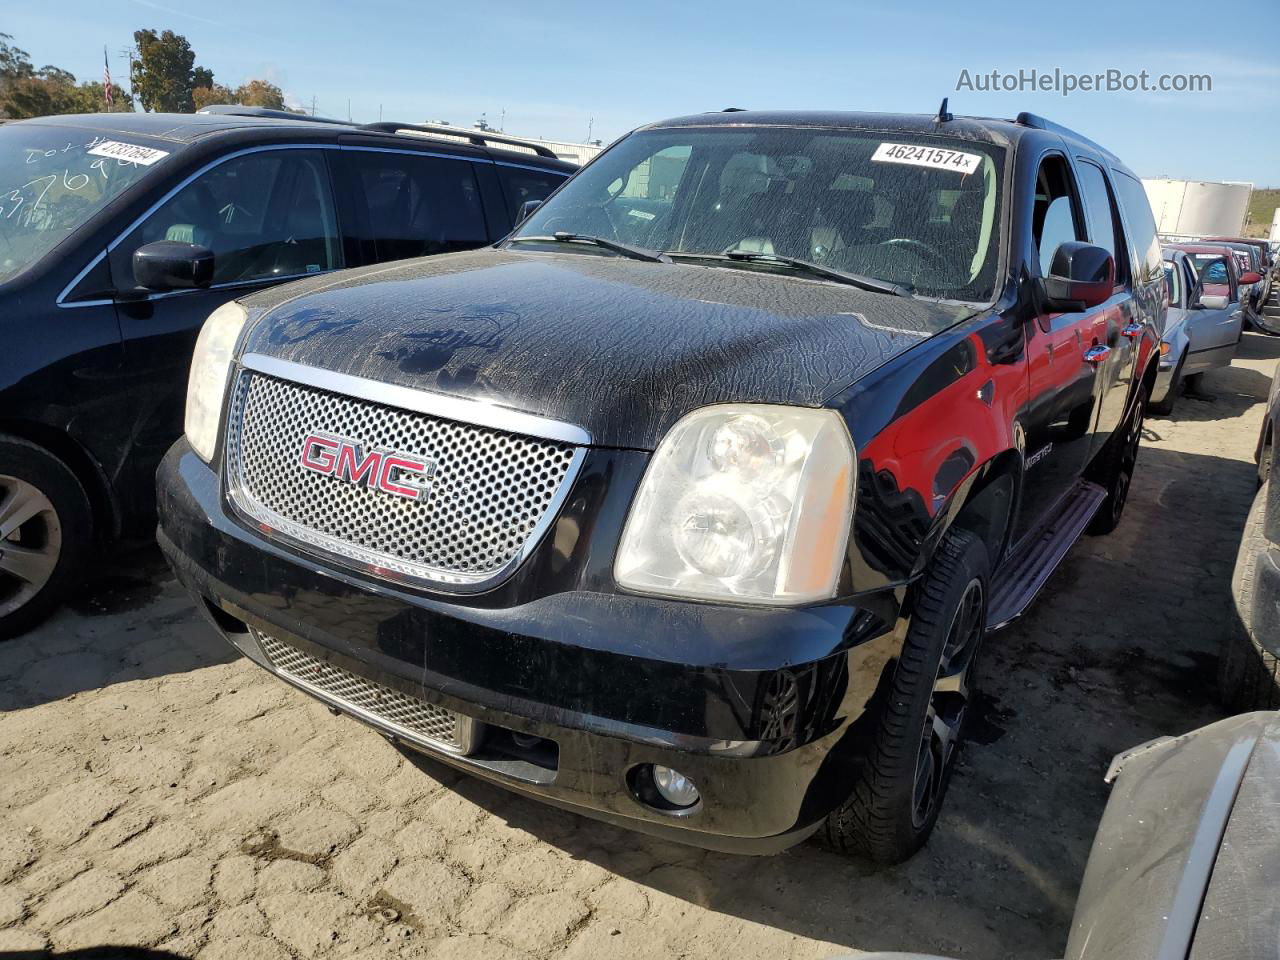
{"x": 619, "y": 347}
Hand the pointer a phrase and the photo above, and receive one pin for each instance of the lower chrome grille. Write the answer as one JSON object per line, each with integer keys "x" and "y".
{"x": 409, "y": 717}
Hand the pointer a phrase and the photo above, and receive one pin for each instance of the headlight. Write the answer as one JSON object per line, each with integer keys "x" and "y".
{"x": 210, "y": 365}
{"x": 743, "y": 502}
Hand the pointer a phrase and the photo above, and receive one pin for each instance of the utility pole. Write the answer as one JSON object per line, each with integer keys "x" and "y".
{"x": 128, "y": 53}
{"x": 590, "y": 124}
{"x": 379, "y": 113}
{"x": 348, "y": 109}
{"x": 502, "y": 120}
{"x": 313, "y": 104}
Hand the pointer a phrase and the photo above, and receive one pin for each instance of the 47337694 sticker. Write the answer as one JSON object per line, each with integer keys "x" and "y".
{"x": 131, "y": 152}
{"x": 940, "y": 158}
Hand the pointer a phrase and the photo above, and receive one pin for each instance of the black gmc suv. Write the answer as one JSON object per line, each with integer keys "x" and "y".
{"x": 121, "y": 232}
{"x": 688, "y": 505}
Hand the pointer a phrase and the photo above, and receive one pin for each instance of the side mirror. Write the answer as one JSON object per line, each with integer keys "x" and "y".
{"x": 172, "y": 265}
{"x": 1212, "y": 301}
{"x": 527, "y": 208}
{"x": 1250, "y": 277}
{"x": 1081, "y": 276}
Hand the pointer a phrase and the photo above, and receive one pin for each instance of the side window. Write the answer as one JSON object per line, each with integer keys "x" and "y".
{"x": 1100, "y": 215}
{"x": 418, "y": 205}
{"x": 1053, "y": 219}
{"x": 1142, "y": 227}
{"x": 521, "y": 185}
{"x": 264, "y": 215}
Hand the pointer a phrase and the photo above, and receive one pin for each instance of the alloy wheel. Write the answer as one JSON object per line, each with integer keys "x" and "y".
{"x": 30, "y": 542}
{"x": 948, "y": 702}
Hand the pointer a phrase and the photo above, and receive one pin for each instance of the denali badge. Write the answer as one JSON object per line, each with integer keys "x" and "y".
{"x": 385, "y": 470}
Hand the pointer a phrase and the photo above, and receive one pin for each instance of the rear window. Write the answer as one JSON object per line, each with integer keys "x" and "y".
{"x": 520, "y": 185}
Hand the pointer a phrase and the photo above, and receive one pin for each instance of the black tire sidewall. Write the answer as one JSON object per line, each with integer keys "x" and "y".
{"x": 37, "y": 466}
{"x": 878, "y": 820}
{"x": 1115, "y": 467}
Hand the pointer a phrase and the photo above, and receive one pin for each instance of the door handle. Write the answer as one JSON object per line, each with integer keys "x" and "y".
{"x": 1133, "y": 331}
{"x": 1097, "y": 353}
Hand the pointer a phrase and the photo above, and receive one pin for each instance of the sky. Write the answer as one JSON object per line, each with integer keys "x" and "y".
{"x": 566, "y": 69}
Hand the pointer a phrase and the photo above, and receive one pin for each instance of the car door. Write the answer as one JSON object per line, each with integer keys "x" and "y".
{"x": 1180, "y": 294}
{"x": 1063, "y": 377}
{"x": 1121, "y": 220}
{"x": 268, "y": 216}
{"x": 1213, "y": 332}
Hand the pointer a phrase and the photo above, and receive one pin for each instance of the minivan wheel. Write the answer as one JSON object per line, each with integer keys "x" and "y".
{"x": 46, "y": 525}
{"x": 899, "y": 790}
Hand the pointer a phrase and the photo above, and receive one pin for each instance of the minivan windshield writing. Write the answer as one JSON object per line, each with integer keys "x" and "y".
{"x": 53, "y": 179}
{"x": 922, "y": 212}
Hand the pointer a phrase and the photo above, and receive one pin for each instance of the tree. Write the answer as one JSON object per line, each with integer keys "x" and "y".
{"x": 260, "y": 93}
{"x": 14, "y": 62}
{"x": 214, "y": 93}
{"x": 164, "y": 71}
{"x": 28, "y": 92}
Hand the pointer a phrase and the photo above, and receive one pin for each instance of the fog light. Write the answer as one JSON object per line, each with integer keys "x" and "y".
{"x": 674, "y": 787}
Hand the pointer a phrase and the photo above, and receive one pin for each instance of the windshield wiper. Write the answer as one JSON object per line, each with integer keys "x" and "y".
{"x": 626, "y": 250}
{"x": 827, "y": 273}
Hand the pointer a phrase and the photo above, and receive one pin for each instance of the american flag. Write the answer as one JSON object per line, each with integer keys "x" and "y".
{"x": 106, "y": 80}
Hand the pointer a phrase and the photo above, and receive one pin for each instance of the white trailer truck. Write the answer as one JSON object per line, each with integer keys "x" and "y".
{"x": 1187, "y": 209}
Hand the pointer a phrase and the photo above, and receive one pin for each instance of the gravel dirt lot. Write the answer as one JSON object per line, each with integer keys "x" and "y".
{"x": 157, "y": 791}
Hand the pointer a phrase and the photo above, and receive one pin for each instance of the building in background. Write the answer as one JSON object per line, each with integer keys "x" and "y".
{"x": 1198, "y": 208}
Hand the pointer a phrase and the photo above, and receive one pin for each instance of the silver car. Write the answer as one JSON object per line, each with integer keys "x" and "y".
{"x": 1203, "y": 326}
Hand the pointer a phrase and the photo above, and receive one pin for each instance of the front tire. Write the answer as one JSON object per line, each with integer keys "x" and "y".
{"x": 899, "y": 790}
{"x": 46, "y": 527}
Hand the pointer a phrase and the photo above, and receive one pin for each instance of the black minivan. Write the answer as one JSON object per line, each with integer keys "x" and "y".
{"x": 121, "y": 233}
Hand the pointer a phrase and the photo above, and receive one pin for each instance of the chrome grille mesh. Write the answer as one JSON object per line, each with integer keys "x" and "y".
{"x": 408, "y": 715}
{"x": 489, "y": 493}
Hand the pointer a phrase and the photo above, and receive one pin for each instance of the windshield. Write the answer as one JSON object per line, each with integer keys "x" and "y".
{"x": 918, "y": 211}
{"x": 53, "y": 179}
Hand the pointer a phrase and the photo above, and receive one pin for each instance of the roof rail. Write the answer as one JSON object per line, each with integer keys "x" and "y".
{"x": 1037, "y": 122}
{"x": 236, "y": 110}
{"x": 478, "y": 137}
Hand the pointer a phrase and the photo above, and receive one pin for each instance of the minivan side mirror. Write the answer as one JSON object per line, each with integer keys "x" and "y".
{"x": 172, "y": 265}
{"x": 1081, "y": 276}
{"x": 1213, "y": 301}
{"x": 527, "y": 208}
{"x": 1250, "y": 277}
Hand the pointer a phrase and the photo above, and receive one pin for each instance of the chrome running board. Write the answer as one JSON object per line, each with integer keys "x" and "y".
{"x": 1031, "y": 564}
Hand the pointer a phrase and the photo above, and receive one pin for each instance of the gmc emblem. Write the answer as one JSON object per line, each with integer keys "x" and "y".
{"x": 395, "y": 473}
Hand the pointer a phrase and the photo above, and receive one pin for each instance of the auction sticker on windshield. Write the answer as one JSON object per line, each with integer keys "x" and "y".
{"x": 131, "y": 152}
{"x": 938, "y": 157}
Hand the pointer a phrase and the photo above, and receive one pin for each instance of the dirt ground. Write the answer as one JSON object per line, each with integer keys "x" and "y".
{"x": 157, "y": 791}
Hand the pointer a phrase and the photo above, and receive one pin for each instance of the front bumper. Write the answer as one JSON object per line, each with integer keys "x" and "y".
{"x": 765, "y": 710}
